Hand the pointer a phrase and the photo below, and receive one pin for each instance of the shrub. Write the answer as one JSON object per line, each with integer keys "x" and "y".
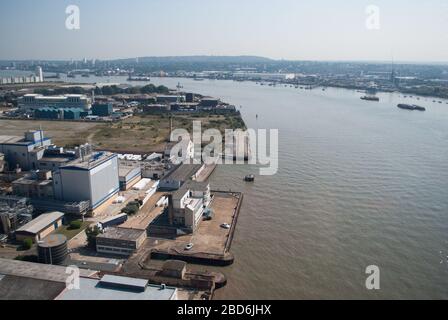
{"x": 132, "y": 207}
{"x": 27, "y": 243}
{"x": 75, "y": 225}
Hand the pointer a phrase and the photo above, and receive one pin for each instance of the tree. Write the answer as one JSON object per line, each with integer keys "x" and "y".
{"x": 92, "y": 233}
{"x": 27, "y": 243}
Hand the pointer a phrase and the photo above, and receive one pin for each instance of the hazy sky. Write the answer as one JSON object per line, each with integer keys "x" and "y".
{"x": 410, "y": 30}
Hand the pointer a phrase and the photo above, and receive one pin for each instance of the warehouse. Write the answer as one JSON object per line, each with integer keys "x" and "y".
{"x": 47, "y": 113}
{"x": 38, "y": 101}
{"x": 40, "y": 227}
{"x": 60, "y": 113}
{"x": 102, "y": 110}
{"x": 120, "y": 241}
{"x": 93, "y": 177}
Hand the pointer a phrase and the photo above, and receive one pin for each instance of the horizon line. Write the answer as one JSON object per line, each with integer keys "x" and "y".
{"x": 229, "y": 56}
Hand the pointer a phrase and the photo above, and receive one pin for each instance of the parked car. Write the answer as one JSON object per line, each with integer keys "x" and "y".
{"x": 225, "y": 226}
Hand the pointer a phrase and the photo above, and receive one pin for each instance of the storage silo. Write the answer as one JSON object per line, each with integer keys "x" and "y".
{"x": 52, "y": 249}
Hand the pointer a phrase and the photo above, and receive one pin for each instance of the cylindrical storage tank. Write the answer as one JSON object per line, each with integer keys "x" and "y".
{"x": 52, "y": 249}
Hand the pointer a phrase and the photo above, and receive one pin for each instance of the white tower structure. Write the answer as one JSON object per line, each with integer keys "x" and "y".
{"x": 39, "y": 74}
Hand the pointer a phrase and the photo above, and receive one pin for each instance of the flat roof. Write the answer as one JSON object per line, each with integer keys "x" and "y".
{"x": 91, "y": 289}
{"x": 139, "y": 284}
{"x": 41, "y": 96}
{"x": 176, "y": 265}
{"x": 190, "y": 186}
{"x": 53, "y": 240}
{"x": 125, "y": 170}
{"x": 28, "y": 181}
{"x": 56, "y": 158}
{"x": 41, "y": 222}
{"x": 23, "y": 288}
{"x": 10, "y": 139}
{"x": 38, "y": 270}
{"x": 184, "y": 172}
{"x": 15, "y": 140}
{"x": 121, "y": 234}
{"x": 91, "y": 161}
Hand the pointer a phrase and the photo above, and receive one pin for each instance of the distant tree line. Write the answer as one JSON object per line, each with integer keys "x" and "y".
{"x": 106, "y": 90}
{"x": 150, "y": 88}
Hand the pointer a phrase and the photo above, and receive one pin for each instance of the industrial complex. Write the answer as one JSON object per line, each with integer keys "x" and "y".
{"x": 96, "y": 209}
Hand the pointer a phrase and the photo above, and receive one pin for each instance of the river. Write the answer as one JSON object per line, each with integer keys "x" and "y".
{"x": 359, "y": 183}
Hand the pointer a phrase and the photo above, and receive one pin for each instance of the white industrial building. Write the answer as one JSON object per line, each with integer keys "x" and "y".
{"x": 24, "y": 152}
{"x": 39, "y": 74}
{"x": 31, "y": 102}
{"x": 92, "y": 177}
{"x": 37, "y": 77}
{"x": 188, "y": 204}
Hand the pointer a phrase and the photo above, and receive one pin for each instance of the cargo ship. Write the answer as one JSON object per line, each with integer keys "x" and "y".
{"x": 143, "y": 78}
{"x": 370, "y": 98}
{"x": 411, "y": 107}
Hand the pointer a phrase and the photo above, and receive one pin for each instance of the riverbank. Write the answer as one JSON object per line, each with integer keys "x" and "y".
{"x": 211, "y": 242}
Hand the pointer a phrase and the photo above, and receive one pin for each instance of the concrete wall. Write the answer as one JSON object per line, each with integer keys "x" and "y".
{"x": 104, "y": 182}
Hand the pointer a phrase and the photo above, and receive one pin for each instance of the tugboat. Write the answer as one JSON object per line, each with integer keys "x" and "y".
{"x": 249, "y": 178}
{"x": 411, "y": 107}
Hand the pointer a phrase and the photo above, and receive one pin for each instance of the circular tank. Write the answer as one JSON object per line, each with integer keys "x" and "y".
{"x": 52, "y": 249}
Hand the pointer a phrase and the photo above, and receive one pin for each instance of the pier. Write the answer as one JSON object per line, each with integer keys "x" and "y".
{"x": 211, "y": 242}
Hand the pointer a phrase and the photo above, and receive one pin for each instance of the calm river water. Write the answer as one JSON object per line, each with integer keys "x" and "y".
{"x": 359, "y": 183}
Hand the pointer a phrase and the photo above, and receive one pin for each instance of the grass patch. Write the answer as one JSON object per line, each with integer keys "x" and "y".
{"x": 69, "y": 232}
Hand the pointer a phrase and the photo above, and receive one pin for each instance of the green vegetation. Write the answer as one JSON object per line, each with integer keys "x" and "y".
{"x": 106, "y": 90}
{"x": 27, "y": 244}
{"x": 75, "y": 225}
{"x": 138, "y": 134}
{"x": 92, "y": 233}
{"x": 427, "y": 91}
{"x": 72, "y": 228}
{"x": 132, "y": 207}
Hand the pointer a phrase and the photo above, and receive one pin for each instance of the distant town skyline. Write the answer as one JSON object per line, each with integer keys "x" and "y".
{"x": 406, "y": 31}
